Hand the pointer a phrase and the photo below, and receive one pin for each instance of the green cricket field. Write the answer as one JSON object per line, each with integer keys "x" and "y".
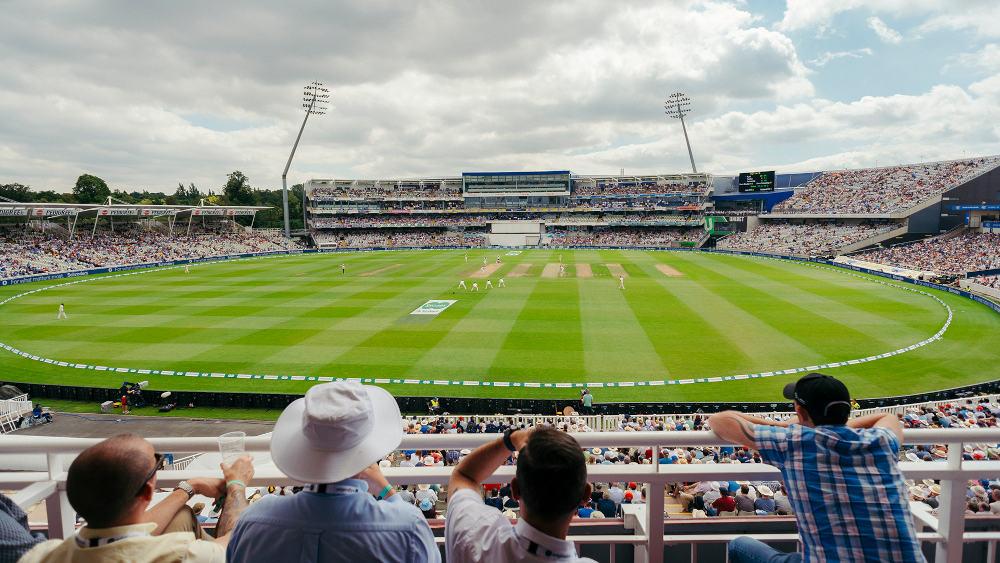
{"x": 682, "y": 317}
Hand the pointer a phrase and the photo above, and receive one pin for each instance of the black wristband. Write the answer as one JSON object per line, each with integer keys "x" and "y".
{"x": 506, "y": 439}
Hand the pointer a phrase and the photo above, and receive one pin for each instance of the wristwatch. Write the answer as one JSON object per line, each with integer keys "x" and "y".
{"x": 186, "y": 488}
{"x": 506, "y": 439}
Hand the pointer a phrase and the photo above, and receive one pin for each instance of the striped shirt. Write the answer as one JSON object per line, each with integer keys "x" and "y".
{"x": 847, "y": 491}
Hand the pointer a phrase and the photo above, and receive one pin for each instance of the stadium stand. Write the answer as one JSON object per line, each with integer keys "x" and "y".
{"x": 801, "y": 239}
{"x": 442, "y": 209}
{"x": 25, "y": 251}
{"x": 411, "y": 469}
{"x": 882, "y": 190}
{"x": 988, "y": 281}
{"x": 968, "y": 252}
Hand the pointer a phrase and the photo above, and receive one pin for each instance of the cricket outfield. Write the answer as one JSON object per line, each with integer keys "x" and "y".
{"x": 682, "y": 317}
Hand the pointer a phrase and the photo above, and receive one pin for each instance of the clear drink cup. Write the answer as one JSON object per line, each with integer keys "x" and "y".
{"x": 232, "y": 445}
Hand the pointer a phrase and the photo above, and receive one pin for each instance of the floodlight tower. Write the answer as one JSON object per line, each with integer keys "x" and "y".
{"x": 675, "y": 108}
{"x": 315, "y": 98}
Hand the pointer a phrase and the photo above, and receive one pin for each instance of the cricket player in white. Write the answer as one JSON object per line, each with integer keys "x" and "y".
{"x": 500, "y": 283}
{"x": 466, "y": 257}
{"x": 489, "y": 284}
{"x": 186, "y": 271}
{"x": 62, "y": 313}
{"x": 482, "y": 270}
{"x": 475, "y": 286}
{"x": 560, "y": 258}
{"x": 484, "y": 260}
{"x": 461, "y": 284}
{"x": 621, "y": 282}
{"x": 562, "y": 270}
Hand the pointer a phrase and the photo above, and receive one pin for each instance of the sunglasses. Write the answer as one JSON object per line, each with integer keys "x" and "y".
{"x": 160, "y": 464}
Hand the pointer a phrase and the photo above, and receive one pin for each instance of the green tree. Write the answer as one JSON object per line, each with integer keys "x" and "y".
{"x": 91, "y": 189}
{"x": 127, "y": 198}
{"x": 49, "y": 196}
{"x": 237, "y": 190}
{"x": 17, "y": 192}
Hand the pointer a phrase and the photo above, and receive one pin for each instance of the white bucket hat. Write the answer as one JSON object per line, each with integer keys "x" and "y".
{"x": 335, "y": 432}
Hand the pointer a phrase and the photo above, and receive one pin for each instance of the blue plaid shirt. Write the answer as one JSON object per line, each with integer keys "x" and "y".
{"x": 846, "y": 489}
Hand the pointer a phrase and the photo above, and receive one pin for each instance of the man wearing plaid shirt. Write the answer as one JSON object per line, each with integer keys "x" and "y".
{"x": 841, "y": 475}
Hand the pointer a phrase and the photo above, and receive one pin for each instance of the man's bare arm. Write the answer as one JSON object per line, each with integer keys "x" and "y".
{"x": 739, "y": 428}
{"x": 880, "y": 420}
{"x": 236, "y": 496}
{"x": 483, "y": 461}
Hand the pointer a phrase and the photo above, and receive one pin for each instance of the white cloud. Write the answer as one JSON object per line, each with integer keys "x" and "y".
{"x": 828, "y": 56}
{"x": 987, "y": 58}
{"x": 957, "y": 15}
{"x": 416, "y": 89}
{"x": 884, "y": 32}
{"x": 938, "y": 124}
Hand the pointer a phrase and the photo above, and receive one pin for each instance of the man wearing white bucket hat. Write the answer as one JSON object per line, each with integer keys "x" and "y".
{"x": 333, "y": 439}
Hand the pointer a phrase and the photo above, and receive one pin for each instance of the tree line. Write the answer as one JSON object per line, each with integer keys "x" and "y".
{"x": 236, "y": 191}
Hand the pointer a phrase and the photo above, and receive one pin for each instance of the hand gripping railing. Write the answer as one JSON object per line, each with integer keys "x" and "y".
{"x": 947, "y": 528}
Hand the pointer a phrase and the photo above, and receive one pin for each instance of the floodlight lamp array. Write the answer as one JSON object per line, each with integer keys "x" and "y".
{"x": 674, "y": 105}
{"x": 315, "y": 96}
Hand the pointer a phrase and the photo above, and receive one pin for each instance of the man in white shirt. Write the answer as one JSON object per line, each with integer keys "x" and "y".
{"x": 111, "y": 485}
{"x": 617, "y": 495}
{"x": 550, "y": 485}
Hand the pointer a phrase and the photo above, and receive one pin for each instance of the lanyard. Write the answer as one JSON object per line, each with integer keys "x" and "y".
{"x": 331, "y": 489}
{"x": 97, "y": 542}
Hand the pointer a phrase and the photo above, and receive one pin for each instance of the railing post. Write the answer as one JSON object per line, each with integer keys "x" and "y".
{"x": 951, "y": 512}
{"x": 61, "y": 516}
{"x": 654, "y": 513}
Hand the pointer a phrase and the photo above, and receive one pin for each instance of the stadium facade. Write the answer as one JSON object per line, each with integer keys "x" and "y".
{"x": 828, "y": 213}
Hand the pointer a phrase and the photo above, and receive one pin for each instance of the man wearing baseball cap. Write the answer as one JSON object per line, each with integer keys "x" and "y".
{"x": 333, "y": 439}
{"x": 841, "y": 475}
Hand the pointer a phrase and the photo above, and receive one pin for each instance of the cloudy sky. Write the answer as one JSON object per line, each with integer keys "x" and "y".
{"x": 147, "y": 95}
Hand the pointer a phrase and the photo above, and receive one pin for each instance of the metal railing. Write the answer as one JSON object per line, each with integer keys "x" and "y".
{"x": 947, "y": 529}
{"x": 612, "y": 422}
{"x": 11, "y": 410}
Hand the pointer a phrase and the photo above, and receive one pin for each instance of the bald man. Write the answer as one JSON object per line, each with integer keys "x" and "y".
{"x": 111, "y": 485}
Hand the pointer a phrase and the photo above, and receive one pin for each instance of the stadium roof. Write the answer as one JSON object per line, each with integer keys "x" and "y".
{"x": 42, "y": 210}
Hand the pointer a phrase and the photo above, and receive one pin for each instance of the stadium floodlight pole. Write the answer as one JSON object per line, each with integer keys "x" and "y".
{"x": 675, "y": 108}
{"x": 315, "y": 97}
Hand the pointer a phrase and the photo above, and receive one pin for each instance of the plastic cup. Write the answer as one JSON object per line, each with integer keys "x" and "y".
{"x": 232, "y": 446}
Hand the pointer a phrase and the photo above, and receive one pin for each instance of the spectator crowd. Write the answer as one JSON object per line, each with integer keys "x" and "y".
{"x": 881, "y": 190}
{"x": 801, "y": 239}
{"x": 347, "y": 510}
{"x": 24, "y": 251}
{"x": 969, "y": 252}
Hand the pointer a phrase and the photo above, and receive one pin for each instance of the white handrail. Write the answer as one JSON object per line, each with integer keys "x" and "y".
{"x": 953, "y": 474}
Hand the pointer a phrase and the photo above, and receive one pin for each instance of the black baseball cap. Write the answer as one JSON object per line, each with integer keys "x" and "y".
{"x": 819, "y": 394}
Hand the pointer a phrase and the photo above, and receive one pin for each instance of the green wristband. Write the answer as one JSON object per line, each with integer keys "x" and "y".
{"x": 235, "y": 482}
{"x": 384, "y": 492}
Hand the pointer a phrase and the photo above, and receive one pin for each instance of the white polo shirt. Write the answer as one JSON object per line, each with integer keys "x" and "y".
{"x": 475, "y": 532}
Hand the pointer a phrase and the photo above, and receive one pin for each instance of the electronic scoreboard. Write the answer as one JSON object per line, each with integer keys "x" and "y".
{"x": 757, "y": 181}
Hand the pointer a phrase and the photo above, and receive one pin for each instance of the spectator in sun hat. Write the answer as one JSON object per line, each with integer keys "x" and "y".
{"x": 821, "y": 452}
{"x": 332, "y": 439}
{"x": 427, "y": 507}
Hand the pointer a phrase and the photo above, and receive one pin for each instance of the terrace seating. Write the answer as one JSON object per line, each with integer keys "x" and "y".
{"x": 882, "y": 190}
{"x": 801, "y": 239}
{"x": 969, "y": 252}
{"x": 26, "y": 252}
